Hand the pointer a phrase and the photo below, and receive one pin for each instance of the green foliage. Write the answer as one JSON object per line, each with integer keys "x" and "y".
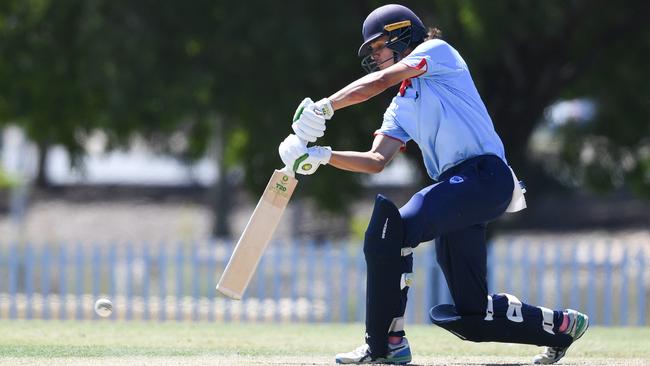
{"x": 48, "y": 82}
{"x": 620, "y": 132}
{"x": 6, "y": 181}
{"x": 526, "y": 55}
{"x": 159, "y": 67}
{"x": 237, "y": 141}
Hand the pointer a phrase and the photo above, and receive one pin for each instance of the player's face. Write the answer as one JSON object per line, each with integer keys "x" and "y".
{"x": 381, "y": 54}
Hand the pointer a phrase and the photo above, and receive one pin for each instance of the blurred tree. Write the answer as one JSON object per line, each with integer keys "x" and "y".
{"x": 233, "y": 72}
{"x": 526, "y": 55}
{"x": 240, "y": 71}
{"x": 49, "y": 85}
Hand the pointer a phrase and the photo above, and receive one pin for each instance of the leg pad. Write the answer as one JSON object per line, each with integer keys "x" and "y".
{"x": 389, "y": 275}
{"x": 498, "y": 326}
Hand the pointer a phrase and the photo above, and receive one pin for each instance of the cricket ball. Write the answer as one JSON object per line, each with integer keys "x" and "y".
{"x": 103, "y": 307}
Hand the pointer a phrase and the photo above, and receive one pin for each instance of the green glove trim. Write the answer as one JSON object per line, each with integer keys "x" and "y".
{"x": 296, "y": 164}
{"x": 298, "y": 113}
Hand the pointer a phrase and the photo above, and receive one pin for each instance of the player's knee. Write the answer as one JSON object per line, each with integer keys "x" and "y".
{"x": 414, "y": 231}
{"x": 385, "y": 233}
{"x": 419, "y": 222}
{"x": 474, "y": 305}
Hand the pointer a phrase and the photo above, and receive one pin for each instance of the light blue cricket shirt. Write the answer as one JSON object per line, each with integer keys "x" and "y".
{"x": 441, "y": 110}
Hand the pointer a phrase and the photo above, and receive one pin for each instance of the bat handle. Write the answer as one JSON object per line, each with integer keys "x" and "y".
{"x": 288, "y": 171}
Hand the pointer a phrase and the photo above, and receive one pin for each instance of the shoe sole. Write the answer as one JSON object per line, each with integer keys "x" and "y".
{"x": 392, "y": 361}
{"x": 396, "y": 360}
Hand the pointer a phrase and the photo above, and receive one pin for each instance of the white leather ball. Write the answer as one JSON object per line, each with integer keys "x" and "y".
{"x": 103, "y": 307}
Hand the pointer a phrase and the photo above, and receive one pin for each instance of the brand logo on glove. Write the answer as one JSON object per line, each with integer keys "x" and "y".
{"x": 325, "y": 111}
{"x": 306, "y": 166}
{"x": 456, "y": 179}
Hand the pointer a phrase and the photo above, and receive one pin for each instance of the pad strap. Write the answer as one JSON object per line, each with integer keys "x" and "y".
{"x": 514, "y": 308}
{"x": 407, "y": 251}
{"x": 489, "y": 312}
{"x": 406, "y": 280}
{"x": 397, "y": 325}
{"x": 547, "y": 319}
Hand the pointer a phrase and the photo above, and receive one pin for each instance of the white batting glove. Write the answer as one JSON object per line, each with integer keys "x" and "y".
{"x": 301, "y": 159}
{"x": 292, "y": 149}
{"x": 318, "y": 155}
{"x": 309, "y": 119}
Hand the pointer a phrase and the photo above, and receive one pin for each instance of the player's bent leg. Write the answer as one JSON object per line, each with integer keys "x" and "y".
{"x": 506, "y": 319}
{"x": 389, "y": 269}
{"x": 462, "y": 257}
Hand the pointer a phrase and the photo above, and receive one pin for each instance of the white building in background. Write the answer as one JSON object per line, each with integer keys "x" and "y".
{"x": 137, "y": 165}
{"x": 51, "y": 219}
{"x": 18, "y": 156}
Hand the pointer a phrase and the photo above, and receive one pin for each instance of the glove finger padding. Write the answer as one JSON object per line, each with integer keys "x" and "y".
{"x": 311, "y": 119}
{"x": 291, "y": 149}
{"x": 307, "y": 130}
{"x": 303, "y": 135}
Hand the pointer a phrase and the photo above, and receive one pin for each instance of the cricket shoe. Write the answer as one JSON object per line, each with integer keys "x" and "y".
{"x": 398, "y": 354}
{"x": 578, "y": 324}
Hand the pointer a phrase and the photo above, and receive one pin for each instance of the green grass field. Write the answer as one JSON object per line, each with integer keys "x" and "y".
{"x": 151, "y": 343}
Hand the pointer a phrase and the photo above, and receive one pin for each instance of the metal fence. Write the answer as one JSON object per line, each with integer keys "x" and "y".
{"x": 306, "y": 281}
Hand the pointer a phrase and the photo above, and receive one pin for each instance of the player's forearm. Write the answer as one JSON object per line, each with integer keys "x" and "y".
{"x": 360, "y": 162}
{"x": 360, "y": 90}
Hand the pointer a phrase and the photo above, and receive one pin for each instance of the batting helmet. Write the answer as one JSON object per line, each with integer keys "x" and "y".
{"x": 399, "y": 23}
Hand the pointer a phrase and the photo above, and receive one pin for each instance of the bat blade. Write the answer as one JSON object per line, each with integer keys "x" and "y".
{"x": 257, "y": 234}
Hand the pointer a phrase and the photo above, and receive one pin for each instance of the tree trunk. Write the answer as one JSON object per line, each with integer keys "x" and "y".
{"x": 222, "y": 189}
{"x": 41, "y": 174}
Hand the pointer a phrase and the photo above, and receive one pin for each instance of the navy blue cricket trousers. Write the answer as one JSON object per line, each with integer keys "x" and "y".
{"x": 455, "y": 212}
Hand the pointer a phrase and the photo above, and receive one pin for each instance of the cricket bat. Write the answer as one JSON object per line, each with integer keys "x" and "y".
{"x": 257, "y": 234}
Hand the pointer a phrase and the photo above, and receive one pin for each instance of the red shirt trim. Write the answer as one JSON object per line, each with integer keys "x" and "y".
{"x": 407, "y": 82}
{"x": 401, "y": 149}
{"x": 422, "y": 64}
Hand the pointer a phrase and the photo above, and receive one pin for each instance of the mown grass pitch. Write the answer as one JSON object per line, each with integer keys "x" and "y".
{"x": 151, "y": 343}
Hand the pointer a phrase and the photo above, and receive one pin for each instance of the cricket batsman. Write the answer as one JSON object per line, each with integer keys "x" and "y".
{"x": 439, "y": 108}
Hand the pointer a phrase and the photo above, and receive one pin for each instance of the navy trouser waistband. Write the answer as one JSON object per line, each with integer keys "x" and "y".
{"x": 454, "y": 170}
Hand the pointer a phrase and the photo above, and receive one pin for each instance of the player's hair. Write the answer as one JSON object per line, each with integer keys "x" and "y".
{"x": 434, "y": 33}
